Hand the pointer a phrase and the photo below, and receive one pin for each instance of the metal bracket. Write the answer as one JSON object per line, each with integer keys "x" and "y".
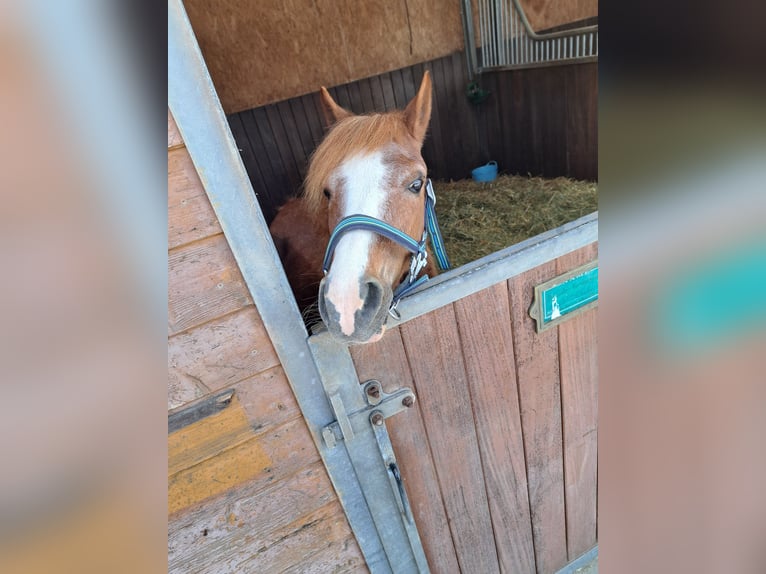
{"x": 380, "y": 406}
{"x": 397, "y": 486}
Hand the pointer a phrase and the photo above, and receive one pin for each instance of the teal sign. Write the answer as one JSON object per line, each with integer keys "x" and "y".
{"x": 559, "y": 298}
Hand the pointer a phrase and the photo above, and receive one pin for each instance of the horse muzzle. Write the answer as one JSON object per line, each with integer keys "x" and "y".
{"x": 355, "y": 317}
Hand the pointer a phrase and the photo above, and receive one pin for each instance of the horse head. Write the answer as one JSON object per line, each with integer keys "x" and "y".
{"x": 368, "y": 165}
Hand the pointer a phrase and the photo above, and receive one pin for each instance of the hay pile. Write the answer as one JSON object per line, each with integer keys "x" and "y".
{"x": 480, "y": 218}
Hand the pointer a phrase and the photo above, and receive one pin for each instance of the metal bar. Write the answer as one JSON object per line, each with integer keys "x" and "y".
{"x": 202, "y": 123}
{"x": 386, "y": 450}
{"x": 500, "y": 31}
{"x": 580, "y": 561}
{"x": 482, "y": 30}
{"x": 555, "y": 62}
{"x": 338, "y": 377}
{"x": 469, "y": 38}
{"x": 500, "y": 266}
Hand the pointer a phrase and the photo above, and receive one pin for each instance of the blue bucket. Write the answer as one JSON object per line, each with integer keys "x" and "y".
{"x": 487, "y": 172}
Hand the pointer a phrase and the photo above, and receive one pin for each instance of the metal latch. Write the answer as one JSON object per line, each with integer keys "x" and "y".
{"x": 380, "y": 406}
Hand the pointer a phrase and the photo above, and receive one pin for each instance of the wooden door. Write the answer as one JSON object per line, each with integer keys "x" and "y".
{"x": 499, "y": 457}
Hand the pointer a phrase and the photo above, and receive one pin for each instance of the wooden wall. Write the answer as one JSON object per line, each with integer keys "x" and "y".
{"x": 262, "y": 52}
{"x": 499, "y": 458}
{"x": 544, "y": 121}
{"x": 544, "y": 14}
{"x": 265, "y": 52}
{"x": 538, "y": 121}
{"x": 247, "y": 491}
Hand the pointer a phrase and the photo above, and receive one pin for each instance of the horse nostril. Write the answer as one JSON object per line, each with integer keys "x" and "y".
{"x": 372, "y": 295}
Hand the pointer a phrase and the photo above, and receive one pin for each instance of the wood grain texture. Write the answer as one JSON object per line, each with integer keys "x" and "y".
{"x": 322, "y": 544}
{"x": 218, "y": 354}
{"x": 538, "y": 121}
{"x": 544, "y": 14}
{"x": 537, "y": 372}
{"x": 260, "y": 53}
{"x": 231, "y": 529}
{"x": 204, "y": 283}
{"x": 174, "y": 136}
{"x": 190, "y": 215}
{"x": 578, "y": 359}
{"x": 435, "y": 357}
{"x": 207, "y": 437}
{"x": 386, "y": 361}
{"x": 483, "y": 322}
{"x": 263, "y": 459}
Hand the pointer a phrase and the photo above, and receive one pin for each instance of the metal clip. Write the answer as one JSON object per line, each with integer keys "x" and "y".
{"x": 419, "y": 261}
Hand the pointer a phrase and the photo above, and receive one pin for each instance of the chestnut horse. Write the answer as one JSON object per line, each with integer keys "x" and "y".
{"x": 368, "y": 166}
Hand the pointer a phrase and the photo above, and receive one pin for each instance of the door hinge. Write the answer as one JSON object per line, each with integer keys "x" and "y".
{"x": 380, "y": 406}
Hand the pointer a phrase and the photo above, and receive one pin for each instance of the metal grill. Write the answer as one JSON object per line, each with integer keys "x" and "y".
{"x": 507, "y": 40}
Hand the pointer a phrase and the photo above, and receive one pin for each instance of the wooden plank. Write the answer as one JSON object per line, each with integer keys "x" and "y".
{"x": 292, "y": 130}
{"x": 377, "y": 94}
{"x": 284, "y": 148}
{"x": 208, "y": 437}
{"x": 190, "y": 215}
{"x": 433, "y": 348}
{"x": 553, "y": 121}
{"x": 247, "y": 153}
{"x": 386, "y": 361}
{"x": 267, "y": 399}
{"x": 484, "y": 325}
{"x": 280, "y": 186}
{"x": 263, "y": 459}
{"x": 582, "y": 120}
{"x": 398, "y": 86}
{"x": 536, "y": 110}
{"x": 174, "y": 136}
{"x": 313, "y": 117}
{"x": 365, "y": 91}
{"x": 579, "y": 399}
{"x": 322, "y": 544}
{"x": 537, "y": 372}
{"x": 450, "y": 144}
{"x": 204, "y": 282}
{"x": 387, "y": 86}
{"x": 356, "y": 97}
{"x": 217, "y": 355}
{"x": 272, "y": 181}
{"x": 410, "y": 84}
{"x": 222, "y": 534}
{"x": 342, "y": 97}
{"x": 304, "y": 130}
{"x": 260, "y": 403}
{"x": 466, "y": 116}
{"x": 493, "y": 145}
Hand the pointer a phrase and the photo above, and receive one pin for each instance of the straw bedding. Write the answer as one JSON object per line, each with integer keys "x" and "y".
{"x": 480, "y": 218}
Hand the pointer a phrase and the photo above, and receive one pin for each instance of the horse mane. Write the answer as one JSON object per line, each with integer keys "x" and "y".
{"x": 350, "y": 136}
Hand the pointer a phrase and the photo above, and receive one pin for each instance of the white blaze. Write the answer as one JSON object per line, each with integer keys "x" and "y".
{"x": 364, "y": 193}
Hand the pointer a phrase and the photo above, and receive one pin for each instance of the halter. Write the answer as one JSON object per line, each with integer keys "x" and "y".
{"x": 417, "y": 248}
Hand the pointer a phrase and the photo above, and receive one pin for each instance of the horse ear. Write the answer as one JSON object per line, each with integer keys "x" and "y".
{"x": 333, "y": 113}
{"x": 418, "y": 111}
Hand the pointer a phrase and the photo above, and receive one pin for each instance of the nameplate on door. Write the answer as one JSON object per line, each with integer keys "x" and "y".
{"x": 565, "y": 296}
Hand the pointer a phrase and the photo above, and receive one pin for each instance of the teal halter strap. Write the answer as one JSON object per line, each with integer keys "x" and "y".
{"x": 417, "y": 248}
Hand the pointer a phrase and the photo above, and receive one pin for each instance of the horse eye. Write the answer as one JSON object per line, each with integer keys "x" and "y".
{"x": 416, "y": 185}
{"x": 327, "y": 193}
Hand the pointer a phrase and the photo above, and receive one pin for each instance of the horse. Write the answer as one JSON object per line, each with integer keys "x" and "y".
{"x": 368, "y": 169}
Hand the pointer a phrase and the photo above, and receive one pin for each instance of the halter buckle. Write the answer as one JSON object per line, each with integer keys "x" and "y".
{"x": 417, "y": 264}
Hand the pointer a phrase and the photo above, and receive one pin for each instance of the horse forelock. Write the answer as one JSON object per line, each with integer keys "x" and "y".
{"x": 353, "y": 136}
